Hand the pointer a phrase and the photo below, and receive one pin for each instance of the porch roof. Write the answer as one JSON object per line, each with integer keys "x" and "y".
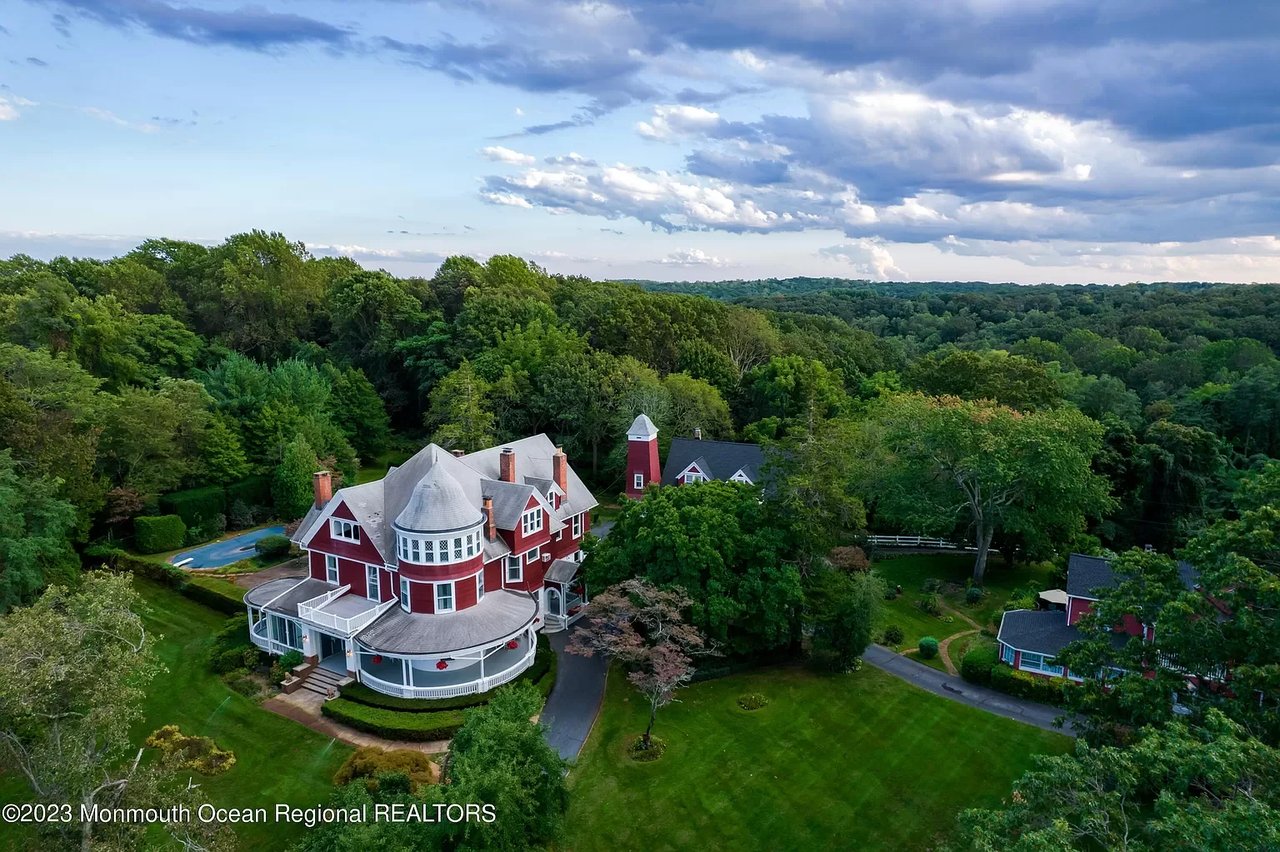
{"x": 562, "y": 571}
{"x": 284, "y": 595}
{"x": 500, "y": 614}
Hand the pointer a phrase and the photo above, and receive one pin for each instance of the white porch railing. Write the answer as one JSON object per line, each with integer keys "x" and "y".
{"x": 483, "y": 684}
{"x": 261, "y": 637}
{"x": 915, "y": 541}
{"x": 312, "y": 611}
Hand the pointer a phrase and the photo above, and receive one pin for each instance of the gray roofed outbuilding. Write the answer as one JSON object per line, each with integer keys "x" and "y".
{"x": 717, "y": 459}
{"x": 1088, "y": 574}
{"x": 498, "y": 615}
{"x": 1042, "y": 631}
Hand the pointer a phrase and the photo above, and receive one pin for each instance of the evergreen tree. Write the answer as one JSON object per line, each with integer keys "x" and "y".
{"x": 291, "y": 485}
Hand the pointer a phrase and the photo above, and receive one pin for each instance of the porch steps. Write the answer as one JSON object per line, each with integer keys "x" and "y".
{"x": 321, "y": 680}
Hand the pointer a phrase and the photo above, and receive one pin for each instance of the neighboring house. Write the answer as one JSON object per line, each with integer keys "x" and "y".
{"x": 433, "y": 581}
{"x": 1030, "y": 640}
{"x": 689, "y": 460}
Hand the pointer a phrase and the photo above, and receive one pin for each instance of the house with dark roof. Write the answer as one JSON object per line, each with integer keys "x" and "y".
{"x": 689, "y": 460}
{"x": 433, "y": 581}
{"x": 1030, "y": 639}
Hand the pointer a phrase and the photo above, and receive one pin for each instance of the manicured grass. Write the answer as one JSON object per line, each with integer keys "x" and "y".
{"x": 276, "y": 760}
{"x": 858, "y": 761}
{"x": 910, "y": 572}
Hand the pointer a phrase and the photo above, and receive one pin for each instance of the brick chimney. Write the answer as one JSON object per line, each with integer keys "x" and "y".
{"x": 490, "y": 528}
{"x": 697, "y": 433}
{"x": 507, "y": 465}
{"x": 457, "y": 454}
{"x": 322, "y": 485}
{"x": 560, "y": 469}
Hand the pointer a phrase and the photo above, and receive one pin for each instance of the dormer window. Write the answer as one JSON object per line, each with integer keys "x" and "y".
{"x": 531, "y": 521}
{"x": 344, "y": 530}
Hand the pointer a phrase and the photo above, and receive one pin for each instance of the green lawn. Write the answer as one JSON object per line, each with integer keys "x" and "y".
{"x": 276, "y": 760}
{"x": 859, "y": 761}
{"x": 910, "y": 572}
{"x": 377, "y": 468}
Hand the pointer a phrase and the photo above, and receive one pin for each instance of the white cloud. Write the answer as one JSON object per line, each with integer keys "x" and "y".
{"x": 9, "y": 106}
{"x": 1203, "y": 259}
{"x": 500, "y": 154}
{"x": 111, "y": 118}
{"x": 677, "y": 120}
{"x": 692, "y": 257}
{"x": 376, "y": 255}
{"x": 868, "y": 256}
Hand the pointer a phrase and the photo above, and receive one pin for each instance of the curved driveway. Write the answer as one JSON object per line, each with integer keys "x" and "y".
{"x": 948, "y": 686}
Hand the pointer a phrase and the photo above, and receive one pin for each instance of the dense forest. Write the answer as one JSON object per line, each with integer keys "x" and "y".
{"x": 179, "y": 366}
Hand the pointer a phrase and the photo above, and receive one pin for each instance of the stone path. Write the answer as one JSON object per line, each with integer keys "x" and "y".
{"x": 303, "y": 707}
{"x": 948, "y": 686}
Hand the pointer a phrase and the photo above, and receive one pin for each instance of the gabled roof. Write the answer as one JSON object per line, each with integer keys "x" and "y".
{"x": 476, "y": 475}
{"x": 1088, "y": 574}
{"x": 717, "y": 459}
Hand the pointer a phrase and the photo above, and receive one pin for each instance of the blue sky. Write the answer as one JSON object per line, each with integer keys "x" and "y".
{"x": 1011, "y": 140}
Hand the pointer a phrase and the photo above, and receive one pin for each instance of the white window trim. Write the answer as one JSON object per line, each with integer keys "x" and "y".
{"x": 337, "y": 527}
{"x": 421, "y": 549}
{"x": 638, "y": 482}
{"x": 453, "y": 601}
{"x": 532, "y": 555}
{"x": 480, "y": 586}
{"x": 693, "y": 474}
{"x": 741, "y": 477}
{"x": 331, "y": 568}
{"x": 577, "y": 525}
{"x": 1041, "y": 667}
{"x": 518, "y": 565}
{"x": 1007, "y": 654}
{"x": 405, "y": 596}
{"x": 531, "y": 521}
{"x": 377, "y": 583}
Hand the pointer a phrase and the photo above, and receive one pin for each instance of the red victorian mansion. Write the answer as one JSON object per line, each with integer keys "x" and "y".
{"x": 433, "y": 581}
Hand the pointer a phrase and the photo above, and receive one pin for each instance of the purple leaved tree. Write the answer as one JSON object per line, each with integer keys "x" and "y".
{"x": 643, "y": 627}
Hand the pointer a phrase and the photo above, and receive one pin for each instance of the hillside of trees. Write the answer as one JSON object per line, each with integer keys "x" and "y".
{"x": 179, "y": 366}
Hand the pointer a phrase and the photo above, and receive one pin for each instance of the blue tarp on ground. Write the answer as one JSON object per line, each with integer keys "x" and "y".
{"x": 219, "y": 553}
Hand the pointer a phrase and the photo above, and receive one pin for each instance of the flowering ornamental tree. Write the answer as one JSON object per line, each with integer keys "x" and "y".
{"x": 643, "y": 627}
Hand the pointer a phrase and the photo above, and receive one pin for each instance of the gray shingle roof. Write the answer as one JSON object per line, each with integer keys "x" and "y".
{"x": 374, "y": 502}
{"x": 562, "y": 570}
{"x": 642, "y": 427}
{"x": 1043, "y": 631}
{"x": 1087, "y": 574}
{"x": 287, "y": 603}
{"x": 717, "y": 459}
{"x": 1038, "y": 631}
{"x": 500, "y": 614}
{"x": 438, "y": 503}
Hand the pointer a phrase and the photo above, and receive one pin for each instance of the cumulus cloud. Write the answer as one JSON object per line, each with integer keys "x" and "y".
{"x": 1171, "y": 259}
{"x": 692, "y": 257}
{"x": 868, "y": 256}
{"x": 677, "y": 120}
{"x": 377, "y": 255}
{"x": 499, "y": 154}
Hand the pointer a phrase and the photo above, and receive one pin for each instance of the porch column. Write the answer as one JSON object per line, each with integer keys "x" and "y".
{"x": 352, "y": 659}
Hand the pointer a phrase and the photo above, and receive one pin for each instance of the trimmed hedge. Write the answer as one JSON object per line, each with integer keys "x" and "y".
{"x": 158, "y": 533}
{"x": 196, "y": 506}
{"x": 1023, "y": 685}
{"x": 928, "y": 648}
{"x": 394, "y": 724}
{"x": 976, "y": 665}
{"x": 542, "y": 674}
{"x": 215, "y": 594}
{"x": 253, "y": 491}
